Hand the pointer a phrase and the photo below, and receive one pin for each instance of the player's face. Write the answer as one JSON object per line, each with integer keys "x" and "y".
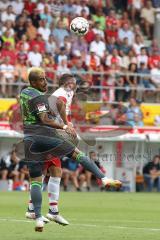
{"x": 41, "y": 83}
{"x": 71, "y": 84}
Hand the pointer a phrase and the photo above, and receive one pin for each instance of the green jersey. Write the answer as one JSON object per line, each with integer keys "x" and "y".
{"x": 29, "y": 117}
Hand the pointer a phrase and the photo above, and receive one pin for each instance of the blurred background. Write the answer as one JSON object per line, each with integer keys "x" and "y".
{"x": 117, "y": 66}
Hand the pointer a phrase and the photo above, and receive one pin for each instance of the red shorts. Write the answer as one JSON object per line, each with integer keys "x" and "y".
{"x": 55, "y": 161}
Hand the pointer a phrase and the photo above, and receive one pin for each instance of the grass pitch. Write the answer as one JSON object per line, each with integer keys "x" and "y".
{"x": 92, "y": 216}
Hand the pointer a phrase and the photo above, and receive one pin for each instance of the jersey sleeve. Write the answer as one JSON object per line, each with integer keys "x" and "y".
{"x": 39, "y": 104}
{"x": 63, "y": 99}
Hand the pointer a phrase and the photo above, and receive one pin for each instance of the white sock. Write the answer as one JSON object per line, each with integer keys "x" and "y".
{"x": 53, "y": 193}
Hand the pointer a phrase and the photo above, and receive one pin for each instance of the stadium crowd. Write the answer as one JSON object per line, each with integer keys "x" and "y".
{"x": 119, "y": 42}
{"x": 74, "y": 176}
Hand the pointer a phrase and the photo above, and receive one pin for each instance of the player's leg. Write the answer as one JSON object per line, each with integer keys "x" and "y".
{"x": 53, "y": 192}
{"x": 35, "y": 171}
{"x": 30, "y": 214}
{"x": 88, "y": 179}
{"x": 92, "y": 167}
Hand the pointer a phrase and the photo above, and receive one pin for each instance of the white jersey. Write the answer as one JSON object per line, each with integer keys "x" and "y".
{"x": 66, "y": 97}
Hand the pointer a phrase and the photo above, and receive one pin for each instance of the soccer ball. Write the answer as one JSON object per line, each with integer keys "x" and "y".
{"x": 79, "y": 26}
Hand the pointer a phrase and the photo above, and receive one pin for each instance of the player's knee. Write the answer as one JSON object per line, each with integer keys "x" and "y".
{"x": 35, "y": 173}
{"x": 55, "y": 171}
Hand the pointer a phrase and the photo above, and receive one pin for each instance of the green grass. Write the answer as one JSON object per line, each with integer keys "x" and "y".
{"x": 92, "y": 216}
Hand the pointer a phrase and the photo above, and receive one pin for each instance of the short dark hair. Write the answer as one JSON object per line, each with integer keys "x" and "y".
{"x": 64, "y": 78}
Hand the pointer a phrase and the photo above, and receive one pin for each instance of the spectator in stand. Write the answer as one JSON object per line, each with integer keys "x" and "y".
{"x": 138, "y": 31}
{"x": 125, "y": 31}
{"x": 138, "y": 44}
{"x": 62, "y": 68}
{"x": 21, "y": 53}
{"x": 128, "y": 59}
{"x": 110, "y": 82}
{"x": 111, "y": 19}
{"x": 120, "y": 117}
{"x": 96, "y": 29}
{"x": 70, "y": 172}
{"x": 51, "y": 45}
{"x": 124, "y": 47}
{"x": 8, "y": 51}
{"x": 154, "y": 47}
{"x": 6, "y": 77}
{"x": 135, "y": 8}
{"x": 41, "y": 6}
{"x": 9, "y": 166}
{"x": 20, "y": 28}
{"x": 148, "y": 19}
{"x": 8, "y": 14}
{"x": 151, "y": 173}
{"x": 124, "y": 19}
{"x": 24, "y": 42}
{"x": 50, "y": 67}
{"x": 69, "y": 7}
{"x": 131, "y": 81}
{"x": 79, "y": 44}
{"x": 44, "y": 30}
{"x": 46, "y": 15}
{"x": 155, "y": 78}
{"x": 111, "y": 31}
{"x": 35, "y": 17}
{"x": 111, "y": 44}
{"x": 62, "y": 55}
{"x": 99, "y": 17}
{"x": 29, "y": 6}
{"x": 80, "y": 7}
{"x": 114, "y": 58}
{"x": 38, "y": 41}
{"x": 34, "y": 57}
{"x": 98, "y": 46}
{"x": 31, "y": 30}
{"x": 67, "y": 44}
{"x": 90, "y": 36}
{"x": 8, "y": 26}
{"x": 154, "y": 58}
{"x": 142, "y": 57}
{"x": 60, "y": 32}
{"x": 92, "y": 61}
{"x": 18, "y": 6}
{"x": 134, "y": 113}
{"x": 156, "y": 3}
{"x": 23, "y": 172}
{"x": 20, "y": 71}
{"x": 78, "y": 71}
{"x": 144, "y": 82}
{"x": 64, "y": 18}
{"x": 6, "y": 37}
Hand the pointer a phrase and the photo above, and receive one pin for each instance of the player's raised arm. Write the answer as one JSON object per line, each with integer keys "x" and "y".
{"x": 46, "y": 120}
{"x": 61, "y": 106}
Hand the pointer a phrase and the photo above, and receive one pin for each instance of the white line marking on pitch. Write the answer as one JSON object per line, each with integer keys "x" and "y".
{"x": 86, "y": 225}
{"x": 135, "y": 228}
{"x": 114, "y": 220}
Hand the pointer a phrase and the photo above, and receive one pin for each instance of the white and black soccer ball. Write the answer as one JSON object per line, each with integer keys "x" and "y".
{"x": 79, "y": 26}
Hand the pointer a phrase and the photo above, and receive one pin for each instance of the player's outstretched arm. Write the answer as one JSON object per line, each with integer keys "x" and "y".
{"x": 50, "y": 122}
{"x": 62, "y": 110}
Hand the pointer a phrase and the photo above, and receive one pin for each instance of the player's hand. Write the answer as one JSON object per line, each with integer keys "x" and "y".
{"x": 70, "y": 124}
